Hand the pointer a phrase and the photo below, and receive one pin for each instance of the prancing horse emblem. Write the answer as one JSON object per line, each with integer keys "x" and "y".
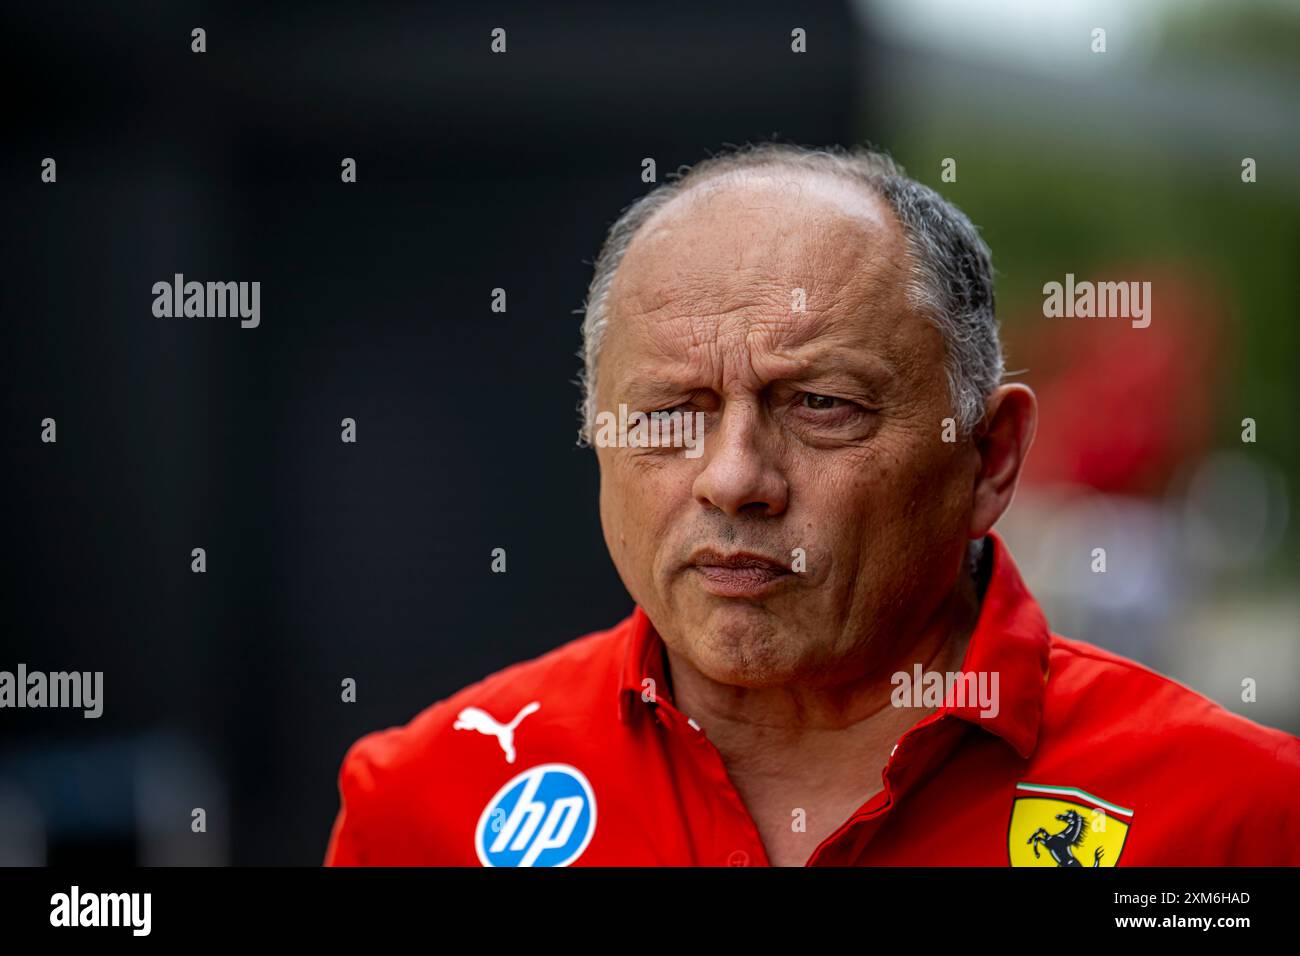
{"x": 475, "y": 718}
{"x": 1061, "y": 845}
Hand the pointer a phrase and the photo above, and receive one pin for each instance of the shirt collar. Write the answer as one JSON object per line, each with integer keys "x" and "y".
{"x": 1011, "y": 639}
{"x": 643, "y": 659}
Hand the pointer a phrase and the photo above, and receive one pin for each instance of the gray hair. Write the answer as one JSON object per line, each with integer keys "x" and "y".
{"x": 951, "y": 278}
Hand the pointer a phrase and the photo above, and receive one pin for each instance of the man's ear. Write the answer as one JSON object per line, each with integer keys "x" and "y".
{"x": 1002, "y": 442}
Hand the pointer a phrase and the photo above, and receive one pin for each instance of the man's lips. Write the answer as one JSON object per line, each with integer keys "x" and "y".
{"x": 739, "y": 574}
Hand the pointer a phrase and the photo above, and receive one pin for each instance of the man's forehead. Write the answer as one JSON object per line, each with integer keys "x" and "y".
{"x": 774, "y": 260}
{"x": 791, "y": 247}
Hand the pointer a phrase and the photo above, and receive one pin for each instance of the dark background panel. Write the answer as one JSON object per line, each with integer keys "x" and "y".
{"x": 325, "y": 560}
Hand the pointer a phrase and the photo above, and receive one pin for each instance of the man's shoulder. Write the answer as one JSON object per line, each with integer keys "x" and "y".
{"x": 563, "y": 687}
{"x": 1152, "y": 715}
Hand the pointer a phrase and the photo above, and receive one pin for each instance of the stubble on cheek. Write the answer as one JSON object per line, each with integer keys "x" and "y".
{"x": 909, "y": 535}
{"x": 635, "y": 512}
{"x": 889, "y": 502}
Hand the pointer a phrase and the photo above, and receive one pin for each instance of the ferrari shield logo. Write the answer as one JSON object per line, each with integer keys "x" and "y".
{"x": 1064, "y": 826}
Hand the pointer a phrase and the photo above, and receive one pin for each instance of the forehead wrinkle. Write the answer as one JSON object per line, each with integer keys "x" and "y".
{"x": 751, "y": 356}
{"x": 765, "y": 329}
{"x": 834, "y": 284}
{"x": 700, "y": 290}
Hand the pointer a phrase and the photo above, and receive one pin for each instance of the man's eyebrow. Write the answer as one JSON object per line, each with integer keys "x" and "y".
{"x": 659, "y": 386}
{"x": 868, "y": 381}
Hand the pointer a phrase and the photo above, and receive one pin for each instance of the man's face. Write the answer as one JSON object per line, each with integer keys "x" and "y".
{"x": 822, "y": 433}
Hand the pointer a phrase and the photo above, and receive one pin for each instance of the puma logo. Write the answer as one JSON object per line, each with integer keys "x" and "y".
{"x": 474, "y": 718}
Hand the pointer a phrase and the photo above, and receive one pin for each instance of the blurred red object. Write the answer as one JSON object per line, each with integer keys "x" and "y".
{"x": 1121, "y": 408}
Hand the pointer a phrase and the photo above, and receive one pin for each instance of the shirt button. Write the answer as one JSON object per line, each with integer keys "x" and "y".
{"x": 738, "y": 858}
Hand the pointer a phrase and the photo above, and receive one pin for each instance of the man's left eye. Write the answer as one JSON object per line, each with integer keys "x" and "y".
{"x": 819, "y": 402}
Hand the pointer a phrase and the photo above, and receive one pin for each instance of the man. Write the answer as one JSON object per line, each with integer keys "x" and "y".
{"x": 832, "y": 659}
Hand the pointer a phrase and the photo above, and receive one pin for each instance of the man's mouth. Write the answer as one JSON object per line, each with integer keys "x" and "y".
{"x": 739, "y": 574}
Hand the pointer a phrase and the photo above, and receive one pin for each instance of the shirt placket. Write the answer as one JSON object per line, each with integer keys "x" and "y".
{"x": 919, "y": 749}
{"x": 736, "y": 841}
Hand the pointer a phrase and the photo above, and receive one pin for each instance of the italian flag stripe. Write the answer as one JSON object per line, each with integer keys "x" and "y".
{"x": 1076, "y": 793}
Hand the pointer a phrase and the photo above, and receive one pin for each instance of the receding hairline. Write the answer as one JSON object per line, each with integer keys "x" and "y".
{"x": 855, "y": 199}
{"x": 851, "y": 201}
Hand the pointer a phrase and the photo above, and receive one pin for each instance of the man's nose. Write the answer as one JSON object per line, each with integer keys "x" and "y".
{"x": 741, "y": 474}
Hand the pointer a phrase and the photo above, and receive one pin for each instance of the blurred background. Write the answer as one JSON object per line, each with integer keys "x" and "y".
{"x": 371, "y": 561}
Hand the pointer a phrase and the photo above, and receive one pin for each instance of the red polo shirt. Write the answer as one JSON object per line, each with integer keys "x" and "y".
{"x": 1090, "y": 760}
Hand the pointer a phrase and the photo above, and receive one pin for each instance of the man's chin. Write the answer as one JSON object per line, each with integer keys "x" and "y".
{"x": 744, "y": 646}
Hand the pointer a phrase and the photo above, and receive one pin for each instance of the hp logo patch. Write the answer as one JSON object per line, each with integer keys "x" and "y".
{"x": 543, "y": 817}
